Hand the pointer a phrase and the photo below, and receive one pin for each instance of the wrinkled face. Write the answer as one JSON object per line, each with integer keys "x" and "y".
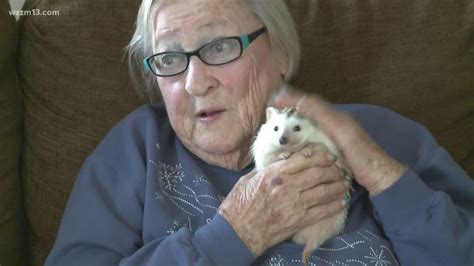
{"x": 285, "y": 130}
{"x": 215, "y": 109}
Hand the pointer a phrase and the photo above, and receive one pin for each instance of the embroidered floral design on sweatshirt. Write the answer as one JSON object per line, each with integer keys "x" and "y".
{"x": 365, "y": 239}
{"x": 176, "y": 225}
{"x": 172, "y": 187}
{"x": 276, "y": 260}
{"x": 377, "y": 256}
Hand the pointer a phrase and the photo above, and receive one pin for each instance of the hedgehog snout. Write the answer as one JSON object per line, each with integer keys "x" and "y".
{"x": 283, "y": 140}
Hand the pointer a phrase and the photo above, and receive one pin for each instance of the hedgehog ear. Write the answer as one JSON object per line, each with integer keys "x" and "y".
{"x": 291, "y": 111}
{"x": 270, "y": 112}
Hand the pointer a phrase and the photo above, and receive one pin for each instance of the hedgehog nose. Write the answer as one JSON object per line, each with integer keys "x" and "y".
{"x": 283, "y": 140}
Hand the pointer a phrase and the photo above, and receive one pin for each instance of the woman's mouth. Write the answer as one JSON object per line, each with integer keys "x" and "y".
{"x": 209, "y": 116}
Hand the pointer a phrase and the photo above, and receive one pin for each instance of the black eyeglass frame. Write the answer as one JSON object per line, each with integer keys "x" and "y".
{"x": 244, "y": 42}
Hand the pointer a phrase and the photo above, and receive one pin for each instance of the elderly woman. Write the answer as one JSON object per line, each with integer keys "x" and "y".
{"x": 174, "y": 184}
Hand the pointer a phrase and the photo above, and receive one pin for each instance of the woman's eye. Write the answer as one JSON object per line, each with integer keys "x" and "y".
{"x": 297, "y": 128}
{"x": 167, "y": 60}
{"x": 219, "y": 47}
{"x": 275, "y": 128}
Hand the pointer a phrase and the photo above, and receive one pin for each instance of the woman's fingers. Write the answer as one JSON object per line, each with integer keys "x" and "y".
{"x": 287, "y": 97}
{"x": 315, "y": 176}
{"x": 320, "y": 157}
{"x": 323, "y": 211}
{"x": 324, "y": 193}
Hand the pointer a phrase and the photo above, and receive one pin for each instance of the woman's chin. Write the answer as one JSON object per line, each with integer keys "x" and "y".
{"x": 216, "y": 146}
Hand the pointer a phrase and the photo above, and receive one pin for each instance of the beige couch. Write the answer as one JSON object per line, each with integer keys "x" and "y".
{"x": 413, "y": 56}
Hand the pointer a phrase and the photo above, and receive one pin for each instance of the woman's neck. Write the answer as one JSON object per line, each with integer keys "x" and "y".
{"x": 234, "y": 160}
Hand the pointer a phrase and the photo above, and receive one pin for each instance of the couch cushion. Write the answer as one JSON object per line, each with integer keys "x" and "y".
{"x": 75, "y": 89}
{"x": 11, "y": 209}
{"x": 414, "y": 57}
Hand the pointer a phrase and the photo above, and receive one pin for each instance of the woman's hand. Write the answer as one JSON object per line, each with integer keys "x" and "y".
{"x": 370, "y": 165}
{"x": 267, "y": 207}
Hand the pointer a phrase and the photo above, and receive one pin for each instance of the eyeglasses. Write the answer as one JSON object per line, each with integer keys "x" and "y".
{"x": 218, "y": 52}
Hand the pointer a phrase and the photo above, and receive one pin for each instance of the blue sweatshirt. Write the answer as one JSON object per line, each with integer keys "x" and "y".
{"x": 141, "y": 198}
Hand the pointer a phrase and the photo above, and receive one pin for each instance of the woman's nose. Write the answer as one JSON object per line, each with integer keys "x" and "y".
{"x": 199, "y": 78}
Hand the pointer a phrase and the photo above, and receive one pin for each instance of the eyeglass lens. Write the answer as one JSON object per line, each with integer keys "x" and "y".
{"x": 215, "y": 53}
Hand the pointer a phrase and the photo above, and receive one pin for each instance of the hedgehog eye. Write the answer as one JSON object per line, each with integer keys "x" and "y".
{"x": 297, "y": 128}
{"x": 275, "y": 128}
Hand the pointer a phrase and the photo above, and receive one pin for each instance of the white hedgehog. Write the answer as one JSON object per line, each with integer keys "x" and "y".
{"x": 285, "y": 132}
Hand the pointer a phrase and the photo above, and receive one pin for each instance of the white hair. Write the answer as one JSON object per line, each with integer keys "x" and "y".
{"x": 273, "y": 14}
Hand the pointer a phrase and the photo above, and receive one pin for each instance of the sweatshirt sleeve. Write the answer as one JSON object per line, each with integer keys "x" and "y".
{"x": 428, "y": 214}
{"x": 102, "y": 226}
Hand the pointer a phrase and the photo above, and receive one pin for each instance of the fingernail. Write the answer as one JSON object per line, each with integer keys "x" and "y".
{"x": 347, "y": 183}
{"x": 343, "y": 203}
{"x": 347, "y": 199}
{"x": 344, "y": 172}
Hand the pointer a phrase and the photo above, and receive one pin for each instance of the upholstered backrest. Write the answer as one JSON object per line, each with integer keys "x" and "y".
{"x": 415, "y": 57}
